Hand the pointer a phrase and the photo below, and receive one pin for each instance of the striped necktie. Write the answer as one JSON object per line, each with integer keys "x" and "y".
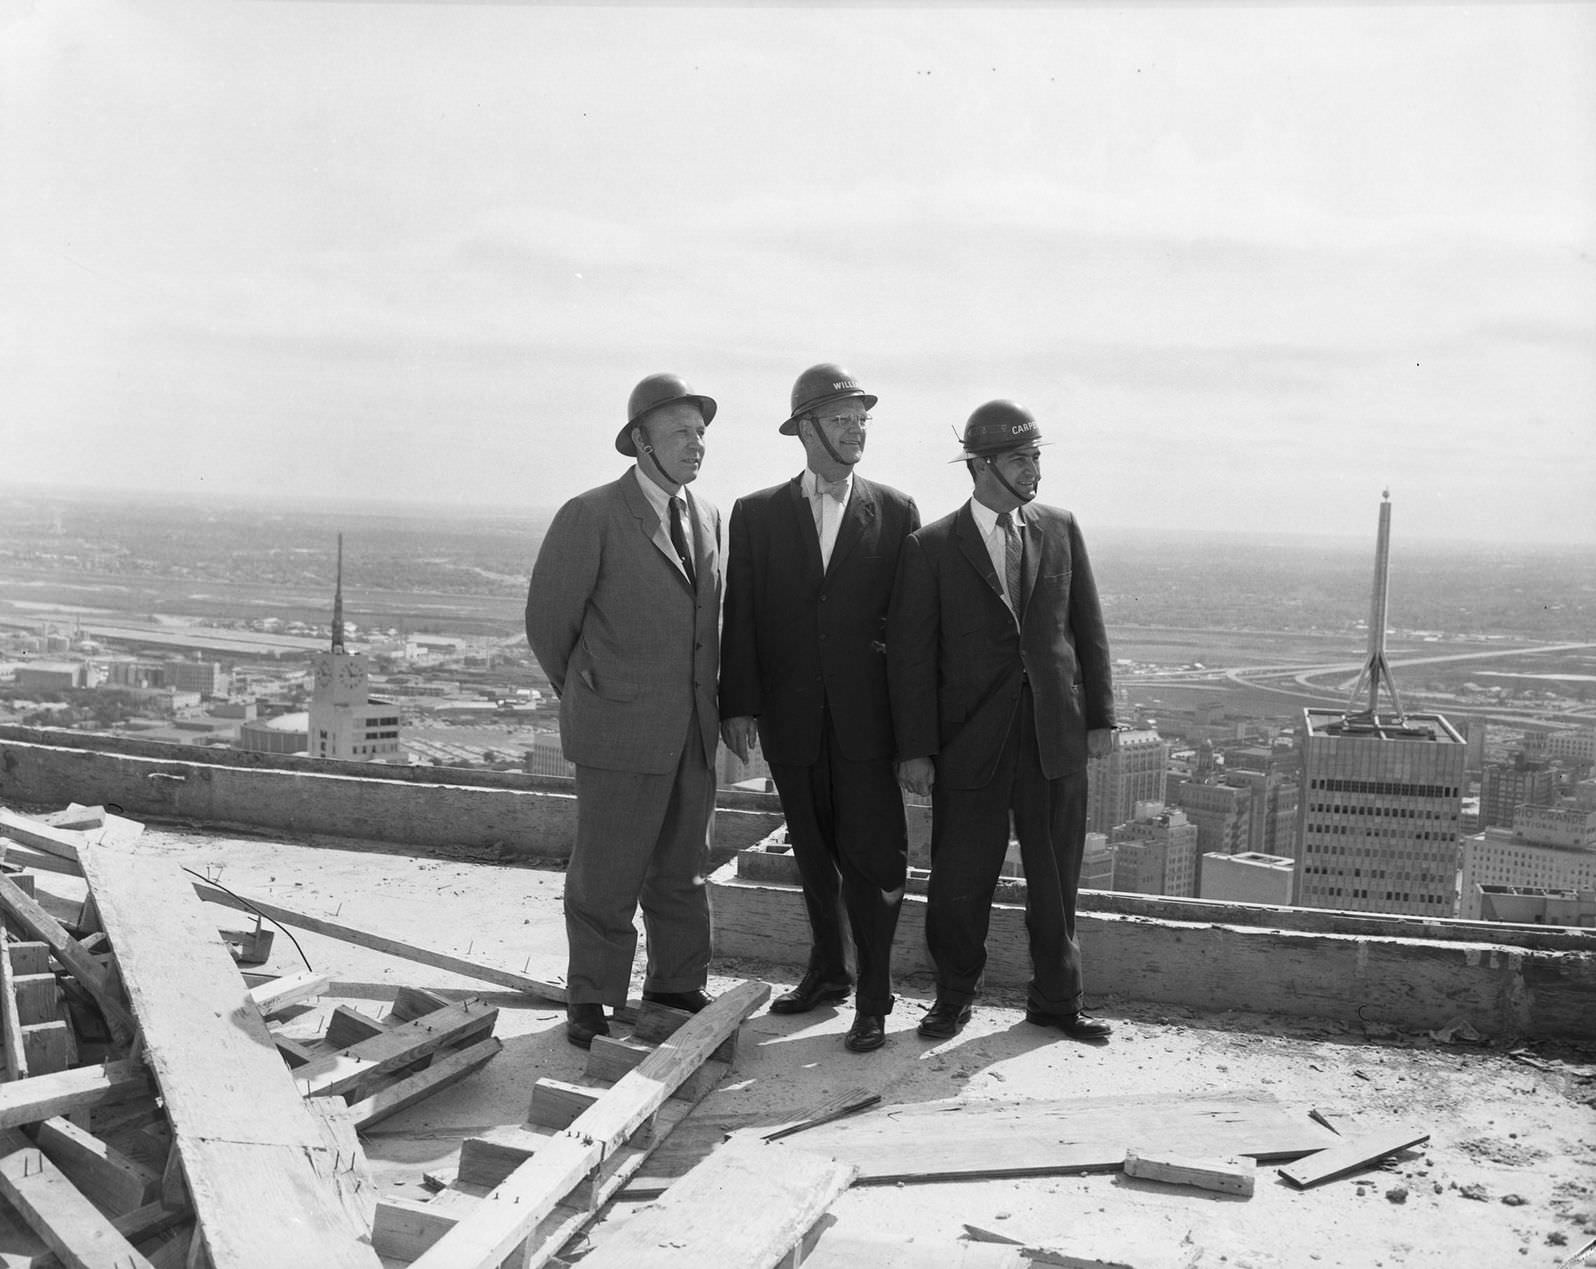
{"x": 1011, "y": 561}
{"x": 679, "y": 541}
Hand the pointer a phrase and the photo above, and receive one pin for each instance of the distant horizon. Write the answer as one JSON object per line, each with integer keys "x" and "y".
{"x": 367, "y": 508}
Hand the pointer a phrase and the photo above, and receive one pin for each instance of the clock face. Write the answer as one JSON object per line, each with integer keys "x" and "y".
{"x": 350, "y": 674}
{"x": 323, "y": 671}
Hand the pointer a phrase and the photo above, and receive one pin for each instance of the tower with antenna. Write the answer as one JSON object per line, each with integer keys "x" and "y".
{"x": 1382, "y": 792}
{"x": 345, "y": 721}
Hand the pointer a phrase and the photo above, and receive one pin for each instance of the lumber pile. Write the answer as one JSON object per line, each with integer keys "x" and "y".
{"x": 154, "y": 1110}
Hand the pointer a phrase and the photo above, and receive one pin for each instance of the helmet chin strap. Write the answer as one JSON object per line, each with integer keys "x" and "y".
{"x": 825, "y": 444}
{"x": 659, "y": 466}
{"x": 991, "y": 466}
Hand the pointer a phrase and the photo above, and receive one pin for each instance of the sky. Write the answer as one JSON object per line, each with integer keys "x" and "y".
{"x": 1248, "y": 265}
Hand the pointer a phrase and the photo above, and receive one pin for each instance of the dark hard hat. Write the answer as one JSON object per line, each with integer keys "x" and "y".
{"x": 820, "y": 386}
{"x": 996, "y": 428}
{"x": 651, "y": 394}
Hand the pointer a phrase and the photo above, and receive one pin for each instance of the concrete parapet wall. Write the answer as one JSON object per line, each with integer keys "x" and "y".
{"x": 1542, "y": 986}
{"x": 523, "y": 823}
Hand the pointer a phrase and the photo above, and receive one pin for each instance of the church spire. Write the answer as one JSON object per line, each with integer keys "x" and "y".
{"x": 338, "y": 601}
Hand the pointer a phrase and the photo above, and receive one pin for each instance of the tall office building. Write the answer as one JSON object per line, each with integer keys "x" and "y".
{"x": 1134, "y": 772}
{"x": 1547, "y": 847}
{"x": 1222, "y": 814}
{"x": 1382, "y": 793}
{"x": 345, "y": 721}
{"x": 1272, "y": 821}
{"x": 1155, "y": 852}
{"x": 1505, "y": 786}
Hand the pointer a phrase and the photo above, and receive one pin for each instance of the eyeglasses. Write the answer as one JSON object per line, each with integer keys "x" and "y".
{"x": 844, "y": 420}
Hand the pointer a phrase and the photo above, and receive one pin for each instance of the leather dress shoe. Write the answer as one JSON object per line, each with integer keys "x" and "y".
{"x": 944, "y": 1020}
{"x": 868, "y": 1033}
{"x": 1076, "y": 1025}
{"x": 812, "y": 991}
{"x": 687, "y": 1001}
{"x": 583, "y": 1022}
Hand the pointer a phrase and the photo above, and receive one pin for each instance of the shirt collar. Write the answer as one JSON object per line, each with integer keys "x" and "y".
{"x": 986, "y": 518}
{"x": 657, "y": 497}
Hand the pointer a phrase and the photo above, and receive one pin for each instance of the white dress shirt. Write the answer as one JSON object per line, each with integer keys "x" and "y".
{"x": 661, "y": 502}
{"x": 997, "y": 545}
{"x": 827, "y": 511}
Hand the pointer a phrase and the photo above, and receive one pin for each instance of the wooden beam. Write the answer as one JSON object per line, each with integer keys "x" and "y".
{"x": 48, "y": 1046}
{"x": 261, "y": 1169}
{"x": 443, "y": 1070}
{"x": 10, "y": 1015}
{"x": 1230, "y": 1175}
{"x": 45, "y": 1096}
{"x": 63, "y": 843}
{"x": 382, "y": 943}
{"x": 77, "y": 1231}
{"x": 557, "y": 1104}
{"x": 355, "y": 1069}
{"x": 348, "y": 1026}
{"x": 115, "y": 1182}
{"x": 1353, "y": 1153}
{"x": 749, "y": 1203}
{"x": 27, "y": 914}
{"x": 290, "y": 989}
{"x": 502, "y": 1221}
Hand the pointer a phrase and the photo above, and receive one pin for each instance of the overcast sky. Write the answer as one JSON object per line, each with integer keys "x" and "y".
{"x": 1248, "y": 265}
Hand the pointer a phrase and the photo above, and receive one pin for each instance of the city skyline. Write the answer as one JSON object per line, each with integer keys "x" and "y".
{"x": 1247, "y": 265}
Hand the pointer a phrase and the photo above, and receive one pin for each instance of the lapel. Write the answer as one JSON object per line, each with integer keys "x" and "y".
{"x": 803, "y": 527}
{"x": 969, "y": 540}
{"x": 703, "y": 541}
{"x": 650, "y": 525}
{"x": 1031, "y": 541}
{"x": 857, "y": 516}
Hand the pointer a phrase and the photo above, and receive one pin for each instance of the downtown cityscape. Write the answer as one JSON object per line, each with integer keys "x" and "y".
{"x": 1260, "y": 760}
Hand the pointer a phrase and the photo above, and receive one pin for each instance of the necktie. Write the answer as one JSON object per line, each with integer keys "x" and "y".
{"x": 679, "y": 541}
{"x": 837, "y": 490}
{"x": 1011, "y": 561}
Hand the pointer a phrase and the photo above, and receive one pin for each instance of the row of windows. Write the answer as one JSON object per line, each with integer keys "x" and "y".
{"x": 1387, "y": 788}
{"x": 1374, "y": 873}
{"x": 1357, "y": 830}
{"x": 1391, "y": 896}
{"x": 1394, "y": 812}
{"x": 382, "y": 735}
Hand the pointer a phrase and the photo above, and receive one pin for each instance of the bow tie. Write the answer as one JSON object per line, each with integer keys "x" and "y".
{"x": 834, "y": 489}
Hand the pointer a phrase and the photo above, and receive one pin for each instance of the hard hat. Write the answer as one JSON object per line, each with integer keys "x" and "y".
{"x": 821, "y": 386}
{"x": 652, "y": 393}
{"x": 996, "y": 428}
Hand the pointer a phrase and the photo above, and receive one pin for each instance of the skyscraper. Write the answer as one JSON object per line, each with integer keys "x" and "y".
{"x": 1505, "y": 786}
{"x": 1134, "y": 772}
{"x": 1382, "y": 793}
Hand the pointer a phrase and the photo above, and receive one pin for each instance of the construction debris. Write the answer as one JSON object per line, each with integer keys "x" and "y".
{"x": 1352, "y": 1154}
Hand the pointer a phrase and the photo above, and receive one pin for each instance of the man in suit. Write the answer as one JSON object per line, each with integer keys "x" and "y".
{"x": 999, "y": 671}
{"x": 808, "y": 579}
{"x": 623, "y": 615}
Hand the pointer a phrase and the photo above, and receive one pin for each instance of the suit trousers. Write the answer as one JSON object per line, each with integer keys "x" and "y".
{"x": 969, "y": 837}
{"x": 640, "y": 839}
{"x": 845, "y": 822}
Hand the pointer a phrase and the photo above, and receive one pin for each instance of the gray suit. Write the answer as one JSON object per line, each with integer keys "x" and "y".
{"x": 632, "y": 650}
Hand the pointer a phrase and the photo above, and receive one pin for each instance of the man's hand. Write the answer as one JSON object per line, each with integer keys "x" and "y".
{"x": 740, "y": 734}
{"x": 917, "y": 775}
{"x": 1100, "y": 742}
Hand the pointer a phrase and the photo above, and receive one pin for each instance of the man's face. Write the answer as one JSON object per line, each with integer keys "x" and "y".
{"x": 676, "y": 432}
{"x": 1021, "y": 468}
{"x": 844, "y": 426}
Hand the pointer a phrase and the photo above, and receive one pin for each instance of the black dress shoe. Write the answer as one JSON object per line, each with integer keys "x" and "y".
{"x": 583, "y": 1022}
{"x": 687, "y": 1001}
{"x": 944, "y": 1020}
{"x": 1076, "y": 1025}
{"x": 868, "y": 1033}
{"x": 814, "y": 990}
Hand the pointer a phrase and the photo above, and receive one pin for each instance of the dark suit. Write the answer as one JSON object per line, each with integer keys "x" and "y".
{"x": 631, "y": 649}
{"x": 802, "y": 650}
{"x": 1004, "y": 707}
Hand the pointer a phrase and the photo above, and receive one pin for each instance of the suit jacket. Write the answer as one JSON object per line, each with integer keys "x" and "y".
{"x": 628, "y": 645}
{"x": 797, "y": 641}
{"x": 957, "y": 658}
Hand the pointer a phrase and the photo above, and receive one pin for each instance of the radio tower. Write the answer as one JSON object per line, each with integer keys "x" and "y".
{"x": 1376, "y": 669}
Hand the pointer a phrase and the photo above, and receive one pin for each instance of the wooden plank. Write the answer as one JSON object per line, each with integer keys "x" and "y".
{"x": 27, "y": 914}
{"x": 609, "y": 1058}
{"x": 113, "y": 1181}
{"x": 45, "y": 1096}
{"x": 77, "y": 1231}
{"x": 556, "y": 1103}
{"x": 29, "y": 958}
{"x": 1351, "y": 1154}
{"x": 746, "y": 1204}
{"x": 1232, "y": 1174}
{"x": 348, "y": 1026}
{"x": 11, "y": 1015}
{"x": 488, "y": 1161}
{"x": 957, "y": 1138}
{"x": 63, "y": 843}
{"x": 292, "y": 1051}
{"x": 382, "y": 943}
{"x": 405, "y": 1228}
{"x": 848, "y": 1102}
{"x": 290, "y": 989}
{"x": 411, "y": 1002}
{"x": 47, "y": 1046}
{"x": 509, "y": 1213}
{"x": 75, "y": 815}
{"x": 260, "y": 1168}
{"x": 444, "y": 1069}
{"x": 355, "y": 1069}
{"x": 38, "y": 996}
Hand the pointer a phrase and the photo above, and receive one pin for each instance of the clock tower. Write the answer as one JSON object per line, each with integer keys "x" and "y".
{"x": 345, "y": 722}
